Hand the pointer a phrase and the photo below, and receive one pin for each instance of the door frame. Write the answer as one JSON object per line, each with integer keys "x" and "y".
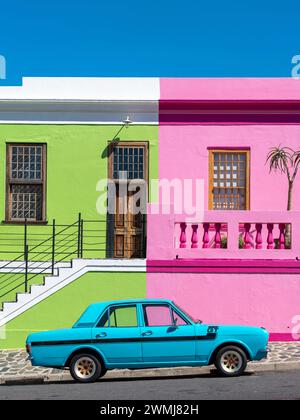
{"x": 111, "y": 218}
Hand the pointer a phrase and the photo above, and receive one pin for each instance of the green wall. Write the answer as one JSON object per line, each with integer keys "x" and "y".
{"x": 63, "y": 308}
{"x": 12, "y": 283}
{"x": 76, "y": 161}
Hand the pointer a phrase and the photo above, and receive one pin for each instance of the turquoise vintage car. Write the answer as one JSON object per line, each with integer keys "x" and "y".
{"x": 144, "y": 333}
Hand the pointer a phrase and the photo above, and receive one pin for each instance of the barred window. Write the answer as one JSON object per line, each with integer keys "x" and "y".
{"x": 229, "y": 180}
{"x": 128, "y": 162}
{"x": 25, "y": 184}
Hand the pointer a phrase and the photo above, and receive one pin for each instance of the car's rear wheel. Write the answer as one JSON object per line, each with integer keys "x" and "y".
{"x": 86, "y": 368}
{"x": 231, "y": 361}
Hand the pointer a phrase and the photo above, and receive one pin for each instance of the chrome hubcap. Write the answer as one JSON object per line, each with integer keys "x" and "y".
{"x": 85, "y": 367}
{"x": 231, "y": 361}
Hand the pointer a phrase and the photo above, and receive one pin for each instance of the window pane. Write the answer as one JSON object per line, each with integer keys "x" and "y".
{"x": 157, "y": 315}
{"x": 123, "y": 317}
{"x": 26, "y": 202}
{"x": 25, "y": 158}
{"x": 229, "y": 180}
{"x": 128, "y": 162}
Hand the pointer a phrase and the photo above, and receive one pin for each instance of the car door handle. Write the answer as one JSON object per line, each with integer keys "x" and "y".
{"x": 145, "y": 333}
{"x": 101, "y": 335}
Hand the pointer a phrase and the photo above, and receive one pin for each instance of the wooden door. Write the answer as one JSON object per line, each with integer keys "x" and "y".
{"x": 129, "y": 229}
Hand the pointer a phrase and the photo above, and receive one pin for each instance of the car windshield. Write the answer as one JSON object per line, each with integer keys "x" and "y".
{"x": 185, "y": 313}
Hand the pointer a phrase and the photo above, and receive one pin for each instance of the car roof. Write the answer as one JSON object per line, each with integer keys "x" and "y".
{"x": 93, "y": 311}
{"x": 121, "y": 301}
{"x": 102, "y": 305}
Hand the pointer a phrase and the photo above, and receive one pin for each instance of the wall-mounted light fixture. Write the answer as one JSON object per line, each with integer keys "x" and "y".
{"x": 127, "y": 121}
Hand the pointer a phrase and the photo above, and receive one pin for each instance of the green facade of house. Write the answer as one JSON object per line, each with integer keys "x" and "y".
{"x": 76, "y": 160}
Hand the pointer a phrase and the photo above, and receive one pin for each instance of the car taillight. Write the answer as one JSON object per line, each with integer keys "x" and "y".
{"x": 28, "y": 348}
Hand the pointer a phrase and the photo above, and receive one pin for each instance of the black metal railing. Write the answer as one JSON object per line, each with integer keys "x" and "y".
{"x": 44, "y": 251}
{"x": 45, "y": 248}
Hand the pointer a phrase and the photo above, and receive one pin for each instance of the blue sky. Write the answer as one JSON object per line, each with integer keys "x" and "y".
{"x": 149, "y": 38}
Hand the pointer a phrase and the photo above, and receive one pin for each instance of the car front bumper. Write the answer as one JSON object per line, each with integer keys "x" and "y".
{"x": 261, "y": 354}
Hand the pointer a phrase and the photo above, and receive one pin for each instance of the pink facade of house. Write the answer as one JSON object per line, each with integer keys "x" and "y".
{"x": 231, "y": 265}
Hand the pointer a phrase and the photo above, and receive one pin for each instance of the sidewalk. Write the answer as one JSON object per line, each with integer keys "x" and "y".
{"x": 14, "y": 366}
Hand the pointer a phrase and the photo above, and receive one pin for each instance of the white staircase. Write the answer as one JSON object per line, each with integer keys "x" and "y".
{"x": 65, "y": 276}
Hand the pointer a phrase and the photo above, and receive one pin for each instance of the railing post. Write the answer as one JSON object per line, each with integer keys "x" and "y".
{"x": 182, "y": 238}
{"x": 194, "y": 236}
{"x": 270, "y": 239}
{"x": 25, "y": 234}
{"x": 247, "y": 237}
{"x": 79, "y": 235}
{"x": 205, "y": 239}
{"x": 281, "y": 236}
{"x": 218, "y": 235}
{"x": 81, "y": 239}
{"x": 26, "y": 268}
{"x": 258, "y": 239}
{"x": 53, "y": 247}
{"x": 25, "y": 257}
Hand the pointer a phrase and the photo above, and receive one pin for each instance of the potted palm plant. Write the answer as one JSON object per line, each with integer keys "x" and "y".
{"x": 287, "y": 161}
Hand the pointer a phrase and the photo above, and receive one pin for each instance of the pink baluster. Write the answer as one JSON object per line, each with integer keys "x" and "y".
{"x": 282, "y": 236}
{"x": 258, "y": 238}
{"x": 218, "y": 235}
{"x": 182, "y": 235}
{"x": 205, "y": 235}
{"x": 247, "y": 236}
{"x": 194, "y": 236}
{"x": 270, "y": 239}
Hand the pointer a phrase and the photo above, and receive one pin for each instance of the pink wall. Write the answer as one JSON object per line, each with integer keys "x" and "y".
{"x": 229, "y": 88}
{"x": 262, "y": 299}
{"x": 188, "y": 143}
{"x": 269, "y": 300}
{"x": 183, "y": 148}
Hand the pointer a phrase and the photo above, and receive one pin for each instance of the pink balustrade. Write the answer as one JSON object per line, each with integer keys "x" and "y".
{"x": 225, "y": 234}
{"x": 214, "y": 235}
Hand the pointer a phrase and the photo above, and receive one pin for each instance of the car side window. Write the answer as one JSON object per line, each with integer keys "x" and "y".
{"x": 161, "y": 315}
{"x": 119, "y": 316}
{"x": 157, "y": 315}
{"x": 178, "y": 320}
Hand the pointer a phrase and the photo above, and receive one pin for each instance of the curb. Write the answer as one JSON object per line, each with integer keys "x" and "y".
{"x": 146, "y": 373}
{"x": 275, "y": 366}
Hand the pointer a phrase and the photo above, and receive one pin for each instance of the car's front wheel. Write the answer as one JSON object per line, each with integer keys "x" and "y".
{"x": 231, "y": 361}
{"x": 86, "y": 368}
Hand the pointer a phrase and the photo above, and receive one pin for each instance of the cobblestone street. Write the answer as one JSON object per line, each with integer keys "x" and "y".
{"x": 14, "y": 362}
{"x": 283, "y": 352}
